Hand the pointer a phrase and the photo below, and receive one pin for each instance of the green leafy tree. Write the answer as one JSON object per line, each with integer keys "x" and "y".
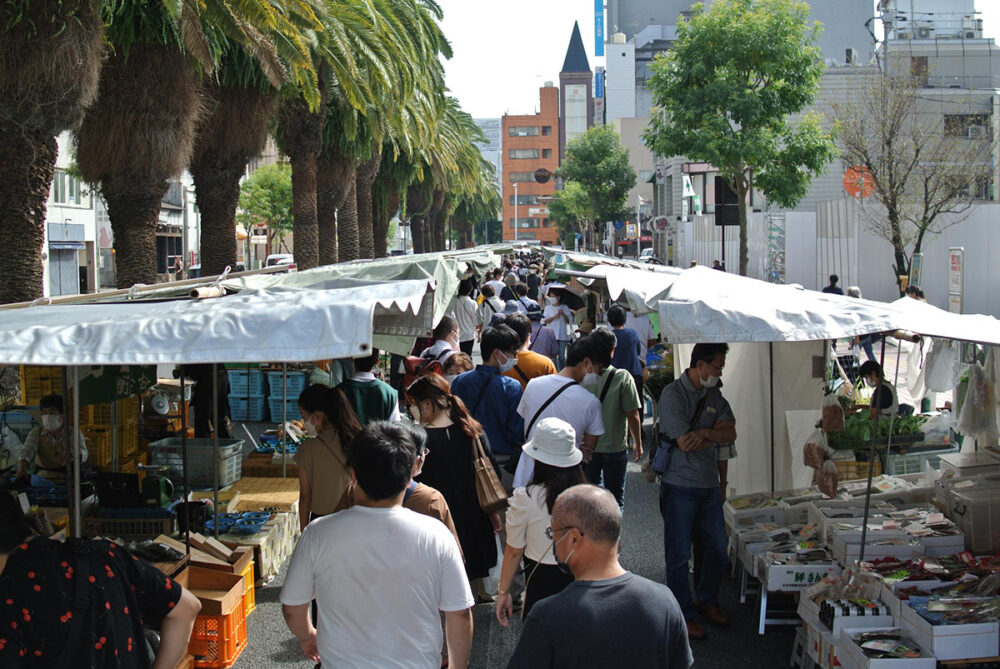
{"x": 598, "y": 177}
{"x": 573, "y": 211}
{"x": 724, "y": 93}
{"x": 266, "y": 199}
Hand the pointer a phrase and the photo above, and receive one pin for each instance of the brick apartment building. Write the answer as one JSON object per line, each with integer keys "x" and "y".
{"x": 531, "y": 143}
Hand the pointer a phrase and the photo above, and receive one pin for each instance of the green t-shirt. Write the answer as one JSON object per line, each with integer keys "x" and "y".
{"x": 621, "y": 398}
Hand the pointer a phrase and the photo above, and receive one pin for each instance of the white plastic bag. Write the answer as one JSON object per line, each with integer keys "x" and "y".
{"x": 815, "y": 452}
{"x": 492, "y": 581}
{"x": 977, "y": 417}
{"x": 940, "y": 366}
{"x": 937, "y": 429}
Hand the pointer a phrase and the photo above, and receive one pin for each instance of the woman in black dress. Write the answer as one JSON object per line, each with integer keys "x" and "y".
{"x": 451, "y": 432}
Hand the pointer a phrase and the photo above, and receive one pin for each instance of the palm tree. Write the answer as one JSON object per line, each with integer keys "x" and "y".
{"x": 141, "y": 129}
{"x": 50, "y": 57}
{"x": 334, "y": 179}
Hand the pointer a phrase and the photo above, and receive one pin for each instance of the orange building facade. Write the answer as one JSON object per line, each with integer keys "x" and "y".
{"x": 530, "y": 143}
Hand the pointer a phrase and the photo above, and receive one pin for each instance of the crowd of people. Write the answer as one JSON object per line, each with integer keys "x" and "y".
{"x": 557, "y": 407}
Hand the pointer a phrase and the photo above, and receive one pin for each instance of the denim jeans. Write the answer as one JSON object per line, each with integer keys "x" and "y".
{"x": 560, "y": 360}
{"x": 608, "y": 470}
{"x": 683, "y": 509}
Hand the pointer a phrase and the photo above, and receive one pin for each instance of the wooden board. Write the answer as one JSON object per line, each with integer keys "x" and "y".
{"x": 257, "y": 494}
{"x": 211, "y": 546}
{"x": 260, "y": 465}
{"x": 196, "y": 554}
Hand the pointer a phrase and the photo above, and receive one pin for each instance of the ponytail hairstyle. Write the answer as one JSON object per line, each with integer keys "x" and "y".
{"x": 435, "y": 388}
{"x": 337, "y": 411}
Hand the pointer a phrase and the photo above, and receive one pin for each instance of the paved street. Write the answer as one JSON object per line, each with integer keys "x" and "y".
{"x": 271, "y": 645}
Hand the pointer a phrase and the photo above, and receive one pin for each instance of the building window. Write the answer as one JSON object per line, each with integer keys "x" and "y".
{"x": 521, "y": 177}
{"x": 546, "y": 153}
{"x": 65, "y": 188}
{"x": 521, "y": 154}
{"x": 546, "y": 223}
{"x": 524, "y": 223}
{"x": 972, "y": 126}
{"x": 546, "y": 130}
{"x": 523, "y": 131}
{"x": 524, "y": 199}
{"x": 918, "y": 69}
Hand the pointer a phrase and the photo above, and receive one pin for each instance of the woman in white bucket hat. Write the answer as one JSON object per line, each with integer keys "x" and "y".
{"x": 557, "y": 467}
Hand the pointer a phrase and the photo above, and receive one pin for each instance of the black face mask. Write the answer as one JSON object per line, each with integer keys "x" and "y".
{"x": 563, "y": 565}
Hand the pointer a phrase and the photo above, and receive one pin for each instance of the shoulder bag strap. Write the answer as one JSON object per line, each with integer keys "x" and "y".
{"x": 542, "y": 408}
{"x": 534, "y": 338}
{"x": 490, "y": 305}
{"x": 607, "y": 384}
{"x": 409, "y": 491}
{"x": 81, "y": 606}
{"x": 698, "y": 410}
{"x": 520, "y": 372}
{"x": 479, "y": 399}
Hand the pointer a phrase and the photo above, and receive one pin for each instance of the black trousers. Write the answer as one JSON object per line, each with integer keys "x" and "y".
{"x": 466, "y": 346}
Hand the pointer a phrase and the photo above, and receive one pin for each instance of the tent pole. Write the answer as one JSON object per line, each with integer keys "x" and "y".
{"x": 770, "y": 362}
{"x": 284, "y": 417}
{"x": 72, "y": 495}
{"x": 77, "y": 516}
{"x": 184, "y": 461}
{"x": 871, "y": 463}
{"x": 215, "y": 447}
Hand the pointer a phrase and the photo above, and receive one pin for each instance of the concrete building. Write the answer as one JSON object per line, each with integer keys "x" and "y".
{"x": 530, "y": 144}
{"x": 492, "y": 149}
{"x": 576, "y": 92}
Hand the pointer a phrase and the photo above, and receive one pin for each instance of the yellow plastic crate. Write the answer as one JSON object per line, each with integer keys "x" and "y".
{"x": 249, "y": 600}
{"x": 98, "y": 444}
{"x": 38, "y": 381}
{"x": 852, "y": 471}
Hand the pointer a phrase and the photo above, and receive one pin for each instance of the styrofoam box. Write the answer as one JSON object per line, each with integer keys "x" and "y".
{"x": 829, "y": 651}
{"x": 968, "y": 464}
{"x": 888, "y": 593}
{"x": 951, "y": 642}
{"x": 808, "y": 610}
{"x": 942, "y": 546}
{"x": 746, "y": 517}
{"x": 977, "y": 514}
{"x": 848, "y": 554}
{"x": 851, "y": 655}
{"x": 822, "y": 513}
{"x": 813, "y": 642}
{"x": 792, "y": 577}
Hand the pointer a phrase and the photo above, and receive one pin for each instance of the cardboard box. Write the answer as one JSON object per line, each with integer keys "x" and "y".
{"x": 808, "y": 610}
{"x": 848, "y": 554}
{"x": 217, "y": 591}
{"x": 853, "y": 656}
{"x": 792, "y": 577}
{"x": 951, "y": 642}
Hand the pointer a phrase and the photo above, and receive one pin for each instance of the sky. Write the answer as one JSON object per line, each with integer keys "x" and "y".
{"x": 505, "y": 51}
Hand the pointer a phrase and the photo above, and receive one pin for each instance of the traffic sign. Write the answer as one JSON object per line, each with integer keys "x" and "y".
{"x": 859, "y": 182}
{"x": 661, "y": 223}
{"x": 619, "y": 225}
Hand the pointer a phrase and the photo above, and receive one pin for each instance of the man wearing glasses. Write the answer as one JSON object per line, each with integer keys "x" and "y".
{"x": 607, "y": 617}
{"x": 697, "y": 431}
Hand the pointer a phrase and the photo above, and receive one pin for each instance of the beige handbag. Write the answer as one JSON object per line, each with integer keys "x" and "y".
{"x": 489, "y": 490}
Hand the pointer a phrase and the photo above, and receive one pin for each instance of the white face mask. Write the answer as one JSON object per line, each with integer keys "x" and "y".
{"x": 507, "y": 364}
{"x": 551, "y": 299}
{"x": 414, "y": 412}
{"x": 710, "y": 382}
{"x": 590, "y": 378}
{"x": 310, "y": 428}
{"x": 450, "y": 377}
{"x": 51, "y": 422}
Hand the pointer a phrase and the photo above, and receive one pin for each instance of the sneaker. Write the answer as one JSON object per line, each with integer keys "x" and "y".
{"x": 695, "y": 631}
{"x": 715, "y": 615}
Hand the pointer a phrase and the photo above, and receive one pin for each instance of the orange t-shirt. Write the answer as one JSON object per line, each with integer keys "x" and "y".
{"x": 530, "y": 365}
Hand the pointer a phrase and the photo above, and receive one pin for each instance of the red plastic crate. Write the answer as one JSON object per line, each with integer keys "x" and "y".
{"x": 217, "y": 641}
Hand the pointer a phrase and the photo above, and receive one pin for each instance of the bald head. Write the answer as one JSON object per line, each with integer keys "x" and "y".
{"x": 590, "y": 509}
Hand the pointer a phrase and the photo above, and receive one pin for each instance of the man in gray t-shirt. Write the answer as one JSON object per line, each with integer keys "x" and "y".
{"x": 607, "y": 617}
{"x": 698, "y": 428}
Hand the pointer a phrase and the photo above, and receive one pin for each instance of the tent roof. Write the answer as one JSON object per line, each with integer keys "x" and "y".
{"x": 930, "y": 321}
{"x": 335, "y": 320}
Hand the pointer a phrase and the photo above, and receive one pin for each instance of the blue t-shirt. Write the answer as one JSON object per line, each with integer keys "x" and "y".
{"x": 627, "y": 351}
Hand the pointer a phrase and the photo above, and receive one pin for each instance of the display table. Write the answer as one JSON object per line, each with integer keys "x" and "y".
{"x": 272, "y": 545}
{"x": 261, "y": 465}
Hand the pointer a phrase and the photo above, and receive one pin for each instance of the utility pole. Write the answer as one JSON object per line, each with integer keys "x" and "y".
{"x": 638, "y": 226}
{"x": 517, "y": 223}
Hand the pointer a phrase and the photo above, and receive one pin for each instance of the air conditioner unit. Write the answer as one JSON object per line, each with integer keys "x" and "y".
{"x": 924, "y": 33}
{"x": 977, "y": 131}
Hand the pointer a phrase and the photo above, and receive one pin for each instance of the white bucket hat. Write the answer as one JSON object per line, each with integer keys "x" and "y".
{"x": 554, "y": 443}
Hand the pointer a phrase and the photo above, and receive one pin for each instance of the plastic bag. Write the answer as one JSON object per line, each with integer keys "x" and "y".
{"x": 815, "y": 452}
{"x": 977, "y": 418}
{"x": 937, "y": 429}
{"x": 833, "y": 414}
{"x": 939, "y": 367}
{"x": 828, "y": 479}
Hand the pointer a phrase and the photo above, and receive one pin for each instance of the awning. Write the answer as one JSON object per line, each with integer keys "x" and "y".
{"x": 67, "y": 246}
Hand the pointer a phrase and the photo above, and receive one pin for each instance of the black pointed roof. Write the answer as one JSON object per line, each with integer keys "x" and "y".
{"x": 576, "y": 55}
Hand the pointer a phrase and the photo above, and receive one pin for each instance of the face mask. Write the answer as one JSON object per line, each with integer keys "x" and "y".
{"x": 310, "y": 428}
{"x": 551, "y": 300}
{"x": 590, "y": 378}
{"x": 710, "y": 382}
{"x": 872, "y": 382}
{"x": 450, "y": 377}
{"x": 562, "y": 564}
{"x": 51, "y": 422}
{"x": 507, "y": 364}
{"x": 415, "y": 412}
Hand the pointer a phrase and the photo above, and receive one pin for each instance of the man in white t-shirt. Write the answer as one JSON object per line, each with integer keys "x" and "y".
{"x": 574, "y": 404}
{"x": 378, "y": 572}
{"x": 644, "y": 328}
{"x": 467, "y": 315}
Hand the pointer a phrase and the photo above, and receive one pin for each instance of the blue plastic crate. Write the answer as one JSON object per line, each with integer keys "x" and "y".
{"x": 291, "y": 408}
{"x": 238, "y": 408}
{"x": 295, "y": 383}
{"x": 238, "y": 382}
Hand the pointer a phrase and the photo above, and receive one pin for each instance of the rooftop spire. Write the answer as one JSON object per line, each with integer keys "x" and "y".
{"x": 576, "y": 55}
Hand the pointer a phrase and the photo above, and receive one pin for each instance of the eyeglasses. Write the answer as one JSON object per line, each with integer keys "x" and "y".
{"x": 713, "y": 366}
{"x": 550, "y": 532}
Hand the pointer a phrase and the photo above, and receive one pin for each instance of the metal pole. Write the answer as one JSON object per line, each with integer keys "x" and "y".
{"x": 638, "y": 226}
{"x": 215, "y": 447}
{"x": 72, "y": 494}
{"x": 871, "y": 462}
{"x": 115, "y": 445}
{"x": 77, "y": 516}
{"x": 770, "y": 362}
{"x": 284, "y": 418}
{"x": 184, "y": 464}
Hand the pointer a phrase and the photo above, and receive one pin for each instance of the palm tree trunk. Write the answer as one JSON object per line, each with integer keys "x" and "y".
{"x": 134, "y": 210}
{"x": 436, "y": 221}
{"x": 366, "y": 173}
{"x": 347, "y": 224}
{"x": 234, "y": 130}
{"x": 417, "y": 232}
{"x": 300, "y": 134}
{"x": 24, "y": 192}
{"x": 333, "y": 178}
{"x": 383, "y": 213}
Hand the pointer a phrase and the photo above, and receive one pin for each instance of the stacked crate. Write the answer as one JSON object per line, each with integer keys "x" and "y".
{"x": 286, "y": 392}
